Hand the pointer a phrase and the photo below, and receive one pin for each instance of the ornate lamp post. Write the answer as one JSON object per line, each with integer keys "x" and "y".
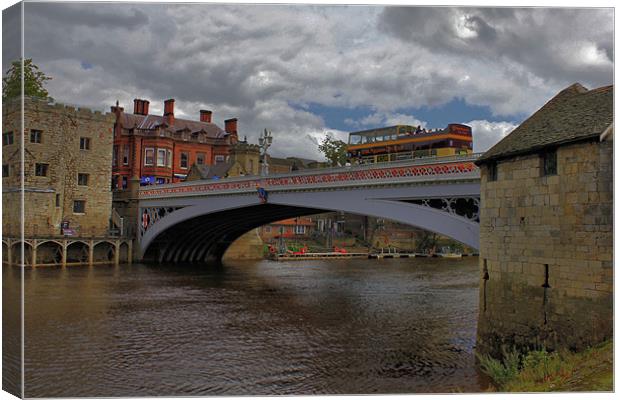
{"x": 264, "y": 141}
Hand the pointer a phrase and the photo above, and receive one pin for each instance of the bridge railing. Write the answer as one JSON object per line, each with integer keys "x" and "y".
{"x": 426, "y": 169}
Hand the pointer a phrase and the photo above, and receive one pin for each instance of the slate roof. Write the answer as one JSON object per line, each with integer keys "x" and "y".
{"x": 573, "y": 115}
{"x": 209, "y": 171}
{"x": 152, "y": 121}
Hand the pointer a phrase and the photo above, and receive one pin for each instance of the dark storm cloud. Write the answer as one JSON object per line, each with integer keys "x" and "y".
{"x": 556, "y": 44}
{"x": 11, "y": 35}
{"x": 91, "y": 15}
{"x": 254, "y": 61}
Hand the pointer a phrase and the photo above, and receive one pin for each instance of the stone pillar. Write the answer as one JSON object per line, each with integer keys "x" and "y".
{"x": 9, "y": 252}
{"x": 33, "y": 252}
{"x": 117, "y": 251}
{"x": 64, "y": 253}
{"x": 91, "y": 252}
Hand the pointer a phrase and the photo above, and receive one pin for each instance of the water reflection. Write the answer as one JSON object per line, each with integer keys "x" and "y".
{"x": 357, "y": 326}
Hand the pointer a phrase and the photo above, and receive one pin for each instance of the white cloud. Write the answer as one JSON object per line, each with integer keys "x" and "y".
{"x": 486, "y": 133}
{"x": 254, "y": 61}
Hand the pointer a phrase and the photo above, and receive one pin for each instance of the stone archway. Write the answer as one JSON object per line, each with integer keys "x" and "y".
{"x": 104, "y": 252}
{"x": 123, "y": 252}
{"x": 49, "y": 252}
{"x": 77, "y": 252}
{"x": 16, "y": 256}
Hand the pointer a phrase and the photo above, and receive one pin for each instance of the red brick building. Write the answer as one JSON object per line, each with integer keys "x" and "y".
{"x": 161, "y": 148}
{"x": 292, "y": 228}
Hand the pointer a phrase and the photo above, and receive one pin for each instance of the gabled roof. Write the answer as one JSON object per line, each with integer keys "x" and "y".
{"x": 574, "y": 114}
{"x": 152, "y": 121}
{"x": 209, "y": 171}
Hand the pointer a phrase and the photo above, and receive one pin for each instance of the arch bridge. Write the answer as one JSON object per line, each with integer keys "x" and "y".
{"x": 197, "y": 221}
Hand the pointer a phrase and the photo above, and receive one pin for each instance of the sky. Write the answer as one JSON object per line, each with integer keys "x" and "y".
{"x": 306, "y": 71}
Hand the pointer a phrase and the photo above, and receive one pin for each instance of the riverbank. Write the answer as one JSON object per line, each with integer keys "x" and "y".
{"x": 590, "y": 370}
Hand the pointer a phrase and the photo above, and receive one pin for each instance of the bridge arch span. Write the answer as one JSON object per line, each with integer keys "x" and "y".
{"x": 202, "y": 229}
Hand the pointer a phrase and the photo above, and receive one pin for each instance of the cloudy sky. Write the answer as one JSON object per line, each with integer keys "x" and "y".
{"x": 304, "y": 71}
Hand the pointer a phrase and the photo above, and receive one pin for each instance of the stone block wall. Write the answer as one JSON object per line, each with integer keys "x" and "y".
{"x": 50, "y": 199}
{"x": 546, "y": 251}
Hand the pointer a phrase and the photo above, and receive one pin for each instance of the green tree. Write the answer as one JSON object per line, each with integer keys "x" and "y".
{"x": 33, "y": 80}
{"x": 334, "y": 150}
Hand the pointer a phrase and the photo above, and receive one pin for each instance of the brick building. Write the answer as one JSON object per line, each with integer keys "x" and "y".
{"x": 546, "y": 227}
{"x": 162, "y": 148}
{"x": 67, "y": 169}
{"x": 291, "y": 228}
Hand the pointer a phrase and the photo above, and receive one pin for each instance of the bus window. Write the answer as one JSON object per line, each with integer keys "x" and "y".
{"x": 355, "y": 139}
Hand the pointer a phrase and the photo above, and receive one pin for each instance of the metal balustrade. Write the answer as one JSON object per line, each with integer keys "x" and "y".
{"x": 411, "y": 171}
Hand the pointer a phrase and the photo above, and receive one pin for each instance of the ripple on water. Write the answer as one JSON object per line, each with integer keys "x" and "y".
{"x": 358, "y": 326}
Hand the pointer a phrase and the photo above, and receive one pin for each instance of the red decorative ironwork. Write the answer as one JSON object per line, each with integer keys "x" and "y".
{"x": 343, "y": 176}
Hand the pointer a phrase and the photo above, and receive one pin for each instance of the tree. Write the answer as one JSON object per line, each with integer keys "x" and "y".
{"x": 334, "y": 150}
{"x": 33, "y": 80}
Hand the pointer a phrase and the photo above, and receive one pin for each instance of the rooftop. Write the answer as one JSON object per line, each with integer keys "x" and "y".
{"x": 573, "y": 115}
{"x": 150, "y": 122}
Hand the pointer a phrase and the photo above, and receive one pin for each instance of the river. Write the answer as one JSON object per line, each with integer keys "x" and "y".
{"x": 262, "y": 328}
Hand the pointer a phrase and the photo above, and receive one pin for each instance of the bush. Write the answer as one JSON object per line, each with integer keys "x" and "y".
{"x": 501, "y": 372}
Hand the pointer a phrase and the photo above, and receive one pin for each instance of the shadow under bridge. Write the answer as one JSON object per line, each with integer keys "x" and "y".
{"x": 200, "y": 229}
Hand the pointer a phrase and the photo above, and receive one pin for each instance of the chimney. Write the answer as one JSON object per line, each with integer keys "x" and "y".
{"x": 137, "y": 106}
{"x": 205, "y": 116}
{"x": 145, "y": 107}
{"x": 169, "y": 111}
{"x": 140, "y": 107}
{"x": 230, "y": 126}
{"x": 116, "y": 109}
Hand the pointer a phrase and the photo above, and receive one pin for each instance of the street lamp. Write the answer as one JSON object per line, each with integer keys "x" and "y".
{"x": 264, "y": 141}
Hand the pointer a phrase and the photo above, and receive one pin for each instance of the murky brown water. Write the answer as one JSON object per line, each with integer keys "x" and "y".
{"x": 357, "y": 326}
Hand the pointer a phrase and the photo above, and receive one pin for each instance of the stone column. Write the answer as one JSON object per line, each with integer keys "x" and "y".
{"x": 117, "y": 252}
{"x": 64, "y": 253}
{"x": 33, "y": 252}
{"x": 9, "y": 252}
{"x": 91, "y": 252}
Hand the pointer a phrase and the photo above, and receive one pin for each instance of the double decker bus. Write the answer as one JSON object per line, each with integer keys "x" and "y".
{"x": 406, "y": 142}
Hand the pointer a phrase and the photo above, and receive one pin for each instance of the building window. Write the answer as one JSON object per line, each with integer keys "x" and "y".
{"x": 126, "y": 154}
{"x": 5, "y": 170}
{"x": 83, "y": 179}
{"x": 84, "y": 143}
{"x": 57, "y": 200}
{"x": 200, "y": 158}
{"x": 161, "y": 157}
{"x": 219, "y": 159}
{"x": 7, "y": 138}
{"x": 550, "y": 163}
{"x": 184, "y": 160}
{"x": 124, "y": 182}
{"x": 169, "y": 159}
{"x": 35, "y": 136}
{"x": 492, "y": 172}
{"x": 267, "y": 229}
{"x": 79, "y": 206}
{"x": 149, "y": 153}
{"x": 40, "y": 169}
{"x": 300, "y": 229}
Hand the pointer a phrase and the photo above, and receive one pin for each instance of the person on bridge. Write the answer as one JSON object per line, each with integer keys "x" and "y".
{"x": 262, "y": 193}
